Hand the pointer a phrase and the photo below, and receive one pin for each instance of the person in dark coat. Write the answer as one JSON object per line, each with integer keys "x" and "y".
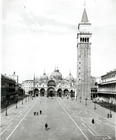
{"x": 34, "y": 113}
{"x": 93, "y": 121}
{"x": 108, "y": 115}
{"x": 46, "y": 126}
{"x": 40, "y": 112}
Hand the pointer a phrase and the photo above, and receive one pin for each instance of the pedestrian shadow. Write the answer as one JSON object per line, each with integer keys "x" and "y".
{"x": 47, "y": 129}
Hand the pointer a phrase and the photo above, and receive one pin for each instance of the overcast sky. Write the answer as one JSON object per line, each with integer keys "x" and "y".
{"x": 39, "y": 35}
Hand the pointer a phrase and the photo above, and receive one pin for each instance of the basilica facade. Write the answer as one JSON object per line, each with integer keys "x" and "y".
{"x": 51, "y": 85}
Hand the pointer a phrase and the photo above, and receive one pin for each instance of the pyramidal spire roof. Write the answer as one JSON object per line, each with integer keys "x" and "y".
{"x": 84, "y": 16}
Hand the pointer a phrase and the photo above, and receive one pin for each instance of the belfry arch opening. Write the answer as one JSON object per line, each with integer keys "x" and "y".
{"x": 50, "y": 92}
{"x": 42, "y": 92}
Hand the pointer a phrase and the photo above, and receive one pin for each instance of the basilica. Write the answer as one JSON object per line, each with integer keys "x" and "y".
{"x": 51, "y": 85}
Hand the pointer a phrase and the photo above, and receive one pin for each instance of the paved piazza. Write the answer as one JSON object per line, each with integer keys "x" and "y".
{"x": 67, "y": 120}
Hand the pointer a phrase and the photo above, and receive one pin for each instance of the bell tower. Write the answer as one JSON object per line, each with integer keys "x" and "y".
{"x": 84, "y": 57}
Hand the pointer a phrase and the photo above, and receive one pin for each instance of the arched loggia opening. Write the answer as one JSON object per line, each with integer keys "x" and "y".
{"x": 50, "y": 92}
{"x": 59, "y": 92}
{"x": 72, "y": 93}
{"x": 36, "y": 92}
{"x": 66, "y": 92}
{"x": 42, "y": 92}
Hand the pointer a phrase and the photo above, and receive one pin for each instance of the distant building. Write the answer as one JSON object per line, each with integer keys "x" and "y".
{"x": 27, "y": 85}
{"x": 84, "y": 58}
{"x": 107, "y": 87}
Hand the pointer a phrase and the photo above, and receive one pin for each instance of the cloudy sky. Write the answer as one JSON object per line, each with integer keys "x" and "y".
{"x": 39, "y": 35}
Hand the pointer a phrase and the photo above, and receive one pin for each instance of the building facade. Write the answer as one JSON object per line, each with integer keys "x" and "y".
{"x": 10, "y": 89}
{"x": 84, "y": 57}
{"x": 107, "y": 87}
{"x": 27, "y": 85}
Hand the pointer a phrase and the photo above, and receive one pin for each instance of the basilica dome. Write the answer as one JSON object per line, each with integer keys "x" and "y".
{"x": 70, "y": 77}
{"x": 56, "y": 75}
{"x": 44, "y": 76}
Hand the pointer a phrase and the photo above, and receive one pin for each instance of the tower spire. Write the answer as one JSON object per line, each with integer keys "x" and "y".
{"x": 84, "y": 17}
{"x": 84, "y": 3}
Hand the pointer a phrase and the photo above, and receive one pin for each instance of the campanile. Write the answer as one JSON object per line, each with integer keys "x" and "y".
{"x": 84, "y": 57}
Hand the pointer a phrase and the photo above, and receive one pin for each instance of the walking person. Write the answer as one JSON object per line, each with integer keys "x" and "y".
{"x": 46, "y": 126}
{"x": 40, "y": 112}
{"x": 34, "y": 113}
{"x": 93, "y": 121}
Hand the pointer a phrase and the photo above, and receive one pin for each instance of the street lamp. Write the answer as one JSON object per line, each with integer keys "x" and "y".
{"x": 23, "y": 95}
{"x": 6, "y": 114}
{"x": 22, "y": 100}
{"x": 80, "y": 99}
{"x": 110, "y": 111}
{"x": 16, "y": 103}
{"x": 16, "y": 100}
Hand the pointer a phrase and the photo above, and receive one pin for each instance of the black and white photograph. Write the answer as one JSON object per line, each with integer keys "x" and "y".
{"x": 58, "y": 70}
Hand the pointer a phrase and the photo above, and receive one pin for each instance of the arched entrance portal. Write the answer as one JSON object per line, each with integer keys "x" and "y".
{"x": 36, "y": 92}
{"x": 50, "y": 92}
{"x": 66, "y": 92}
{"x": 51, "y": 88}
{"x": 72, "y": 92}
{"x": 59, "y": 92}
{"x": 42, "y": 92}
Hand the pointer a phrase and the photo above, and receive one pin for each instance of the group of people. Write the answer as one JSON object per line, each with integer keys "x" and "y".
{"x": 36, "y": 113}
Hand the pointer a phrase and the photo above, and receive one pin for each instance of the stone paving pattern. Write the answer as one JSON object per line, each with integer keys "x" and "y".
{"x": 67, "y": 120}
